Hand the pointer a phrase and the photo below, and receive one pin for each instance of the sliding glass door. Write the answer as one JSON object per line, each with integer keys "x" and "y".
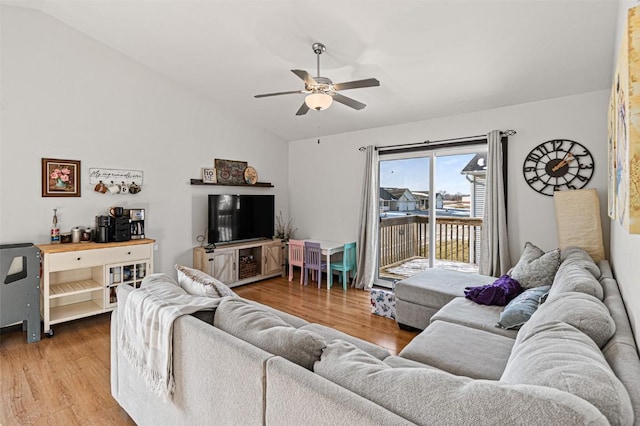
{"x": 431, "y": 205}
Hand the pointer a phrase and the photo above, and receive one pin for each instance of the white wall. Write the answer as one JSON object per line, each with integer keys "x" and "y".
{"x": 625, "y": 247}
{"x": 64, "y": 95}
{"x": 325, "y": 179}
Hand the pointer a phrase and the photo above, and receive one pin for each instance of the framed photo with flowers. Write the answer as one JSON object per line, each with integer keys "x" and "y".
{"x": 60, "y": 178}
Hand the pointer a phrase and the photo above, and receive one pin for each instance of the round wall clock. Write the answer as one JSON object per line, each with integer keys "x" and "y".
{"x": 250, "y": 175}
{"x": 556, "y": 165}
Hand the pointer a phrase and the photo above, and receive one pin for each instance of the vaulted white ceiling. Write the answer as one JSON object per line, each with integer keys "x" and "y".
{"x": 433, "y": 58}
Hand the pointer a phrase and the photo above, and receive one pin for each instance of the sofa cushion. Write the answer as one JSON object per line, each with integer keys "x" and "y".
{"x": 429, "y": 396}
{"x": 535, "y": 267}
{"x": 583, "y": 311}
{"x": 268, "y": 331}
{"x": 460, "y": 350}
{"x": 437, "y": 287}
{"x": 520, "y": 309}
{"x": 578, "y": 256}
{"x": 574, "y": 278}
{"x": 330, "y": 334}
{"x": 198, "y": 283}
{"x": 465, "y": 312}
{"x": 559, "y": 356}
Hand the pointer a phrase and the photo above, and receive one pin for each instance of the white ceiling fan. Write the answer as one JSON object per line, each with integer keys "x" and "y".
{"x": 321, "y": 91}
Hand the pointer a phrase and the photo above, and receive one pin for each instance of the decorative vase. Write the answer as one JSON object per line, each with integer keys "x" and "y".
{"x": 60, "y": 183}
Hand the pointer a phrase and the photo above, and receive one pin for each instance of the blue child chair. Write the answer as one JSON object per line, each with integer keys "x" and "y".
{"x": 348, "y": 264}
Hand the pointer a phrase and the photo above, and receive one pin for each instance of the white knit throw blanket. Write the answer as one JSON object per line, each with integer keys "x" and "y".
{"x": 146, "y": 330}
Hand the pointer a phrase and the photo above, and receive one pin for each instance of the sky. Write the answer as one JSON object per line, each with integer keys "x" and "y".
{"x": 413, "y": 173}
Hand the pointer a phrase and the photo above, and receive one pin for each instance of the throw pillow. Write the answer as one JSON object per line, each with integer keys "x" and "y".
{"x": 500, "y": 292}
{"x": 268, "y": 331}
{"x": 198, "y": 283}
{"x": 520, "y": 309}
{"x": 535, "y": 267}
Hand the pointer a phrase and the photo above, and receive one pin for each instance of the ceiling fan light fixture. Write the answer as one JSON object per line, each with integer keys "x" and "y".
{"x": 318, "y": 101}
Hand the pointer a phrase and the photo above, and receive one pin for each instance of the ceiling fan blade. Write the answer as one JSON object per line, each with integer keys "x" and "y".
{"x": 369, "y": 82}
{"x": 278, "y": 93}
{"x": 348, "y": 101}
{"x": 303, "y": 109}
{"x": 308, "y": 80}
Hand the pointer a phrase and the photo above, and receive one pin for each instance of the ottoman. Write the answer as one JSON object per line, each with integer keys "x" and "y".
{"x": 422, "y": 295}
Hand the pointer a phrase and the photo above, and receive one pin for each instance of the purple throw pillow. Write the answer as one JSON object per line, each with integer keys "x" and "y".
{"x": 499, "y": 293}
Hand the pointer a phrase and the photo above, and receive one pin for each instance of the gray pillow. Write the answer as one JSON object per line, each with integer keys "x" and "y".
{"x": 268, "y": 331}
{"x": 535, "y": 267}
{"x": 583, "y": 311}
{"x": 520, "y": 309}
{"x": 557, "y": 355}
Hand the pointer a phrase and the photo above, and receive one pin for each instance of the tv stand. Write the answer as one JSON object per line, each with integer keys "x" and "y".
{"x": 242, "y": 263}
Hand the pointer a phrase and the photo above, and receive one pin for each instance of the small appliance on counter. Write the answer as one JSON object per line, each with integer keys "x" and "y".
{"x": 136, "y": 216}
{"x": 120, "y": 226}
{"x": 103, "y": 223}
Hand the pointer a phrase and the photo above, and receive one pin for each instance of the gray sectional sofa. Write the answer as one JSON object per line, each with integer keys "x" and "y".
{"x": 574, "y": 362}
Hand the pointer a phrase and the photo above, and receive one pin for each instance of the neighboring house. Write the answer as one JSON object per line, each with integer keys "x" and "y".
{"x": 397, "y": 199}
{"x": 476, "y": 173}
{"x": 423, "y": 200}
{"x": 385, "y": 200}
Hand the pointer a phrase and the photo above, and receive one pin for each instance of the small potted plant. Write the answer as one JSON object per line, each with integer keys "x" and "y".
{"x": 284, "y": 231}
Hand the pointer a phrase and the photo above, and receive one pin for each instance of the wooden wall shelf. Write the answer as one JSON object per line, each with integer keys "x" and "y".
{"x": 259, "y": 184}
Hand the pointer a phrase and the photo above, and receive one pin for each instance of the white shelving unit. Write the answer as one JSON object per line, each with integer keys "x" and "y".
{"x": 79, "y": 280}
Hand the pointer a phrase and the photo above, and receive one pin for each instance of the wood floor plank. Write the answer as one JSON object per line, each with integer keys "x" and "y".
{"x": 65, "y": 380}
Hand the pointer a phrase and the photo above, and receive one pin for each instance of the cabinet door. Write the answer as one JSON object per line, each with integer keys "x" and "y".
{"x": 222, "y": 266}
{"x": 273, "y": 258}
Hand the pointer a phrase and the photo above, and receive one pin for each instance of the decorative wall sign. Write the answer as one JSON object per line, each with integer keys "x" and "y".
{"x": 230, "y": 171}
{"x": 209, "y": 175}
{"x": 60, "y": 178}
{"x": 115, "y": 175}
{"x": 624, "y": 130}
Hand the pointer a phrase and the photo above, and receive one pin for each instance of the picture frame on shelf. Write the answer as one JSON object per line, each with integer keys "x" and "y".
{"x": 209, "y": 175}
{"x": 230, "y": 171}
{"x": 60, "y": 178}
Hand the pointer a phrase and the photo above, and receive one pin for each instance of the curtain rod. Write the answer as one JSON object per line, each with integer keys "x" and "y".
{"x": 438, "y": 142}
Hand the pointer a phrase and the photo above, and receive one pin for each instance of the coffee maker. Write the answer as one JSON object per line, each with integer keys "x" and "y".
{"x": 119, "y": 228}
{"x": 136, "y": 217}
{"x": 103, "y": 223}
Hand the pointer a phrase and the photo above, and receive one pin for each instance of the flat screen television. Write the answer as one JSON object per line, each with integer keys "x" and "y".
{"x": 240, "y": 217}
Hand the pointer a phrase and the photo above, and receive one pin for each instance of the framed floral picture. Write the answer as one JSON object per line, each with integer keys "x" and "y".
{"x": 60, "y": 178}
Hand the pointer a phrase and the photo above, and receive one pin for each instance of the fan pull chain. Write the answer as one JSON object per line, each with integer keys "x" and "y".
{"x": 318, "y": 115}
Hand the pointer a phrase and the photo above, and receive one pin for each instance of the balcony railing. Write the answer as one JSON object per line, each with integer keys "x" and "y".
{"x": 406, "y": 237}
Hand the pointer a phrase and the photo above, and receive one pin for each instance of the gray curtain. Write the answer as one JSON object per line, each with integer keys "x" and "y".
{"x": 494, "y": 243}
{"x": 369, "y": 217}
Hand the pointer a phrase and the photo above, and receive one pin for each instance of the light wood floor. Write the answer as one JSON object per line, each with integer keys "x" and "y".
{"x": 65, "y": 380}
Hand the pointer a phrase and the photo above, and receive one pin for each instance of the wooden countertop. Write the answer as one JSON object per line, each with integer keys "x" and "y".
{"x": 62, "y": 248}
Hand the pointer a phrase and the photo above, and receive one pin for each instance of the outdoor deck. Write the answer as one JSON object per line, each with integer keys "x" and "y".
{"x": 404, "y": 244}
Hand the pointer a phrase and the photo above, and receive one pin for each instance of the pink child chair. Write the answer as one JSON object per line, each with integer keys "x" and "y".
{"x": 296, "y": 257}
